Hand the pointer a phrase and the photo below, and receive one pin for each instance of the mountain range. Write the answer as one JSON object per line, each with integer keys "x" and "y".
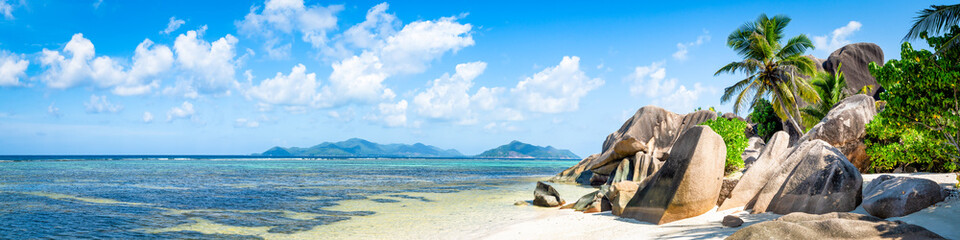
{"x": 356, "y": 147}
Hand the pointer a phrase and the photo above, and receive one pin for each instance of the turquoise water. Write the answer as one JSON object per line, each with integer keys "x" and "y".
{"x": 128, "y": 198}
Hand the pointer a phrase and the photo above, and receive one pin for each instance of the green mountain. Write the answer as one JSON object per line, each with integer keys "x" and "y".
{"x": 356, "y": 147}
{"x": 517, "y": 149}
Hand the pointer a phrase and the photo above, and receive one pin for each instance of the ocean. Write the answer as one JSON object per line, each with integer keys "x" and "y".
{"x": 243, "y": 198}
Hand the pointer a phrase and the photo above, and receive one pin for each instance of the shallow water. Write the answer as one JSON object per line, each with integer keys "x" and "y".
{"x": 147, "y": 198}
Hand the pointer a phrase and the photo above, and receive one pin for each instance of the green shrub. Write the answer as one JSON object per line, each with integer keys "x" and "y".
{"x": 732, "y": 133}
{"x": 766, "y": 119}
{"x": 920, "y": 119}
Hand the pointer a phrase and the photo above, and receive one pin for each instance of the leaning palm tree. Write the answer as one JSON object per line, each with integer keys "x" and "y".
{"x": 934, "y": 20}
{"x": 773, "y": 70}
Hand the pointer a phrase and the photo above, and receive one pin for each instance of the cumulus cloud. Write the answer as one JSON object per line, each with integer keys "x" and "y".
{"x": 78, "y": 65}
{"x": 278, "y": 18}
{"x": 54, "y": 111}
{"x": 393, "y": 114}
{"x": 147, "y": 117}
{"x": 448, "y": 96}
{"x": 651, "y": 82}
{"x": 12, "y": 68}
{"x": 296, "y": 88}
{"x": 185, "y": 110}
{"x": 837, "y": 38}
{"x": 555, "y": 89}
{"x": 99, "y": 104}
{"x": 377, "y": 25}
{"x": 210, "y": 67}
{"x": 487, "y": 98}
{"x": 245, "y": 123}
{"x": 173, "y": 25}
{"x": 683, "y": 48}
{"x": 6, "y": 9}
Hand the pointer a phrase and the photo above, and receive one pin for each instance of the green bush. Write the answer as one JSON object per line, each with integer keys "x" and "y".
{"x": 732, "y": 133}
{"x": 920, "y": 119}
{"x": 766, "y": 119}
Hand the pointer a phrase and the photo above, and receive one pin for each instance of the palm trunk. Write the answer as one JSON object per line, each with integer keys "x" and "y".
{"x": 790, "y": 117}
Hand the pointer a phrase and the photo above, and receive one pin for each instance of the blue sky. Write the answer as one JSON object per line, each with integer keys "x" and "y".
{"x": 238, "y": 77}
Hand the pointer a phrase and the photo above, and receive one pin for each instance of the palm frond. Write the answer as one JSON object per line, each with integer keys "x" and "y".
{"x": 795, "y": 46}
{"x": 933, "y": 20}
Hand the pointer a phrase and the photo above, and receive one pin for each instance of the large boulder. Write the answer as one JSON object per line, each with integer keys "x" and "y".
{"x": 687, "y": 184}
{"x": 592, "y": 202}
{"x": 577, "y": 173}
{"x": 856, "y": 59}
{"x": 545, "y": 196}
{"x": 651, "y": 129}
{"x": 768, "y": 162}
{"x": 752, "y": 152}
{"x": 889, "y": 196}
{"x": 619, "y": 194}
{"x": 814, "y": 178}
{"x": 833, "y": 226}
{"x": 844, "y": 127}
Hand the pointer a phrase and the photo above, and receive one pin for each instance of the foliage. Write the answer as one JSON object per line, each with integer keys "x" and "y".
{"x": 773, "y": 69}
{"x": 830, "y": 87}
{"x": 731, "y": 130}
{"x": 936, "y": 19}
{"x": 919, "y": 125}
{"x": 766, "y": 119}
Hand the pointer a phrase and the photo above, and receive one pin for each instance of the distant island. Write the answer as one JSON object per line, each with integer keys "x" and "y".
{"x": 517, "y": 149}
{"x": 356, "y": 147}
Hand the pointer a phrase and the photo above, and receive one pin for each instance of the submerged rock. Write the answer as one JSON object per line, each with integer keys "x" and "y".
{"x": 688, "y": 183}
{"x": 889, "y": 196}
{"x": 545, "y": 196}
{"x": 834, "y": 225}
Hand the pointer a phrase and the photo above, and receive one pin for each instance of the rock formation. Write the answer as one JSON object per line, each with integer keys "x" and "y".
{"x": 755, "y": 177}
{"x": 856, "y": 59}
{"x": 833, "y": 226}
{"x": 688, "y": 183}
{"x": 844, "y": 127}
{"x": 545, "y": 196}
{"x": 889, "y": 196}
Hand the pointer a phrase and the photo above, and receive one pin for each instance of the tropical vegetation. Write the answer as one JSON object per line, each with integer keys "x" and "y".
{"x": 936, "y": 20}
{"x": 731, "y": 130}
{"x": 766, "y": 120}
{"x": 774, "y": 70}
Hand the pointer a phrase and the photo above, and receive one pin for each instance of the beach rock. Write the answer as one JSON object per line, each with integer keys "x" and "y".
{"x": 817, "y": 62}
{"x": 687, "y": 184}
{"x": 731, "y": 221}
{"x": 752, "y": 152}
{"x": 856, "y": 59}
{"x": 645, "y": 165}
{"x": 755, "y": 177}
{"x": 587, "y": 200}
{"x": 598, "y": 179}
{"x": 545, "y": 196}
{"x": 836, "y": 225}
{"x": 651, "y": 129}
{"x": 568, "y": 206}
{"x": 844, "y": 127}
{"x": 577, "y": 173}
{"x": 731, "y": 116}
{"x": 521, "y": 203}
{"x": 620, "y": 194}
{"x": 889, "y": 196}
{"x": 624, "y": 171}
{"x": 729, "y": 183}
{"x": 814, "y": 178}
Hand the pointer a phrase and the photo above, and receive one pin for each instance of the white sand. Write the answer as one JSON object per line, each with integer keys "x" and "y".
{"x": 943, "y": 219}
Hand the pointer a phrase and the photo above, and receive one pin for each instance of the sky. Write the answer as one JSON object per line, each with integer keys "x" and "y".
{"x": 239, "y": 77}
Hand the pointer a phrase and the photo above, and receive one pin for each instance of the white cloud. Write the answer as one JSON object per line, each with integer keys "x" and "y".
{"x": 555, "y": 89}
{"x": 147, "y": 117}
{"x": 99, "y": 104}
{"x": 6, "y": 10}
{"x": 183, "y": 111}
{"x": 649, "y": 80}
{"x": 356, "y": 78}
{"x": 377, "y": 25}
{"x": 487, "y": 98}
{"x": 420, "y": 42}
{"x": 149, "y": 62}
{"x": 173, "y": 25}
{"x": 683, "y": 48}
{"x": 12, "y": 68}
{"x": 448, "y": 97}
{"x": 837, "y": 38}
{"x": 245, "y": 123}
{"x": 209, "y": 66}
{"x": 296, "y": 88}
{"x": 54, "y": 111}
{"x": 284, "y": 17}
{"x": 393, "y": 114}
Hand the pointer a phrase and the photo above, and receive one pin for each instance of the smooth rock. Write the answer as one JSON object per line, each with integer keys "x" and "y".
{"x": 752, "y": 152}
{"x": 576, "y": 173}
{"x": 546, "y": 196}
{"x": 731, "y": 221}
{"x": 521, "y": 203}
{"x": 755, "y": 177}
{"x": 836, "y": 225}
{"x": 814, "y": 178}
{"x": 888, "y": 196}
{"x": 586, "y": 200}
{"x": 844, "y": 127}
{"x": 729, "y": 183}
{"x": 620, "y": 194}
{"x": 687, "y": 185}
{"x": 856, "y": 59}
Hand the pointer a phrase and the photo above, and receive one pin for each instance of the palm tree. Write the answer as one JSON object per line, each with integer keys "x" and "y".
{"x": 830, "y": 88}
{"x": 936, "y": 19}
{"x": 773, "y": 70}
